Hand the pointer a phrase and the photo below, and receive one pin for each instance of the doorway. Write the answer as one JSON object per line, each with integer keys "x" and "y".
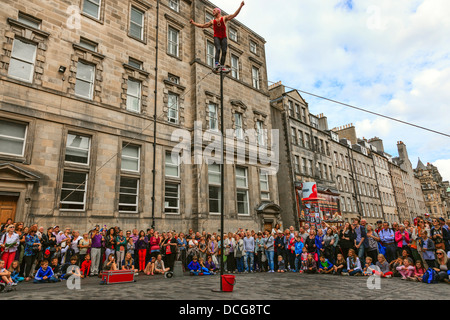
{"x": 8, "y": 206}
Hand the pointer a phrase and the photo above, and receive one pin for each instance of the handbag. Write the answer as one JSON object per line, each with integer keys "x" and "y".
{"x": 381, "y": 249}
{"x": 263, "y": 257}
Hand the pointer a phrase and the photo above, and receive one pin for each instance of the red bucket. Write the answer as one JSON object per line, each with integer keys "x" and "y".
{"x": 228, "y": 282}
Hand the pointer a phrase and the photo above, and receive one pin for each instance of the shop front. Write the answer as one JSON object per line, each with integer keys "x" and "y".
{"x": 316, "y": 204}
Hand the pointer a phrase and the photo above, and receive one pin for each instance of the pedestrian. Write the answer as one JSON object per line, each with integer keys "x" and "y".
{"x": 9, "y": 242}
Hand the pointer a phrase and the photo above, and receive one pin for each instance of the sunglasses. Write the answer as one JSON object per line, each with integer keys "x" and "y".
{"x": 439, "y": 254}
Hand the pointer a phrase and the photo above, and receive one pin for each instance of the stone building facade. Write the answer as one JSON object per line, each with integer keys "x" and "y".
{"x": 79, "y": 83}
{"x": 434, "y": 190}
{"x": 366, "y": 195}
{"x": 304, "y": 150}
{"x": 412, "y": 186}
{"x": 397, "y": 174}
{"x": 384, "y": 179}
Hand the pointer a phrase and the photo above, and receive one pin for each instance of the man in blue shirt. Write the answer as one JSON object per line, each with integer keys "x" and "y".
{"x": 387, "y": 237}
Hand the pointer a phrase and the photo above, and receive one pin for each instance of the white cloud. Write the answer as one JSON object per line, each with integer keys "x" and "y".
{"x": 443, "y": 166}
{"x": 391, "y": 57}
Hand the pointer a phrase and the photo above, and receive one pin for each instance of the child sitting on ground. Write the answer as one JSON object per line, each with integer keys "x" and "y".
{"x": 340, "y": 265}
{"x": 325, "y": 266}
{"x": 303, "y": 259}
{"x": 205, "y": 270}
{"x": 86, "y": 266}
{"x": 5, "y": 276}
{"x": 56, "y": 267}
{"x": 393, "y": 266}
{"x": 44, "y": 274}
{"x": 128, "y": 263}
{"x": 70, "y": 269}
{"x": 311, "y": 266}
{"x": 210, "y": 265}
{"x": 15, "y": 271}
{"x": 383, "y": 267}
{"x": 159, "y": 266}
{"x": 406, "y": 270}
{"x": 281, "y": 265}
{"x": 419, "y": 271}
{"x": 368, "y": 267}
{"x": 150, "y": 268}
{"x": 194, "y": 267}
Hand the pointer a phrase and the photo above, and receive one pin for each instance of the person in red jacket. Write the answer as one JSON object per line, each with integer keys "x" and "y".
{"x": 219, "y": 24}
{"x": 86, "y": 266}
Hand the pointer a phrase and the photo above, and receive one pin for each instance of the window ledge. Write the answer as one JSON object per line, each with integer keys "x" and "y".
{"x": 24, "y": 26}
{"x": 84, "y": 14}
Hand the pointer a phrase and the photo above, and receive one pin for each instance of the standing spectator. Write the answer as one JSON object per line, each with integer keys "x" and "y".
{"x": 440, "y": 236}
{"x": 229, "y": 245}
{"x": 360, "y": 232}
{"x": 428, "y": 249}
{"x": 346, "y": 239}
{"x": 141, "y": 247}
{"x": 387, "y": 237}
{"x": 49, "y": 242}
{"x": 249, "y": 252}
{"x": 96, "y": 250}
{"x": 182, "y": 248}
{"x": 259, "y": 252}
{"x": 32, "y": 247}
{"x": 371, "y": 245}
{"x": 84, "y": 244}
{"x": 9, "y": 221}
{"x": 110, "y": 242}
{"x": 169, "y": 247}
{"x": 121, "y": 245}
{"x": 202, "y": 247}
{"x": 239, "y": 253}
{"x": 269, "y": 243}
{"x": 75, "y": 243}
{"x": 213, "y": 249}
{"x": 328, "y": 245}
{"x": 192, "y": 249}
{"x": 402, "y": 240}
{"x": 9, "y": 242}
{"x": 279, "y": 247}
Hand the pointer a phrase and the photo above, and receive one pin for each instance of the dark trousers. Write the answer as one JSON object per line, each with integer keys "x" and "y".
{"x": 170, "y": 260}
{"x": 231, "y": 265}
{"x": 391, "y": 252}
{"x": 221, "y": 46}
{"x": 373, "y": 254}
{"x": 29, "y": 260}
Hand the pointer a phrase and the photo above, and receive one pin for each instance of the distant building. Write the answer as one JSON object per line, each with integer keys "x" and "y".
{"x": 435, "y": 190}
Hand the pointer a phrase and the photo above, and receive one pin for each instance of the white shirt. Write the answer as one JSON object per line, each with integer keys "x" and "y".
{"x": 7, "y": 239}
{"x": 74, "y": 244}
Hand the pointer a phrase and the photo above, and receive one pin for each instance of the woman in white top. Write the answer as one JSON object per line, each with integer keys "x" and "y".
{"x": 9, "y": 242}
{"x": 230, "y": 243}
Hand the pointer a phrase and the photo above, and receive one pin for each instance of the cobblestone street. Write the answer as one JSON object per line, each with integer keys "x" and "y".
{"x": 258, "y": 286}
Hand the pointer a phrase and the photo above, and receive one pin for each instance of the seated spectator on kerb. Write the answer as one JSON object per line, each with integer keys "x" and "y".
{"x": 45, "y": 274}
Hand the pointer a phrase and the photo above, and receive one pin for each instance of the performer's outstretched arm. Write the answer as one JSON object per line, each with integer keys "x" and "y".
{"x": 206, "y": 25}
{"x": 232, "y": 16}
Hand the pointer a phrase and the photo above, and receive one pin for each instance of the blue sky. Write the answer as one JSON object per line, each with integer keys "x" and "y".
{"x": 391, "y": 57}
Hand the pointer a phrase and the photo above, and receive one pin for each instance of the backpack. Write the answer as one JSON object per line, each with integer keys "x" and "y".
{"x": 430, "y": 276}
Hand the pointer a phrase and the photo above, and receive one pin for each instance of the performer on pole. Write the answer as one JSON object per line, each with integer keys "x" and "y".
{"x": 220, "y": 35}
